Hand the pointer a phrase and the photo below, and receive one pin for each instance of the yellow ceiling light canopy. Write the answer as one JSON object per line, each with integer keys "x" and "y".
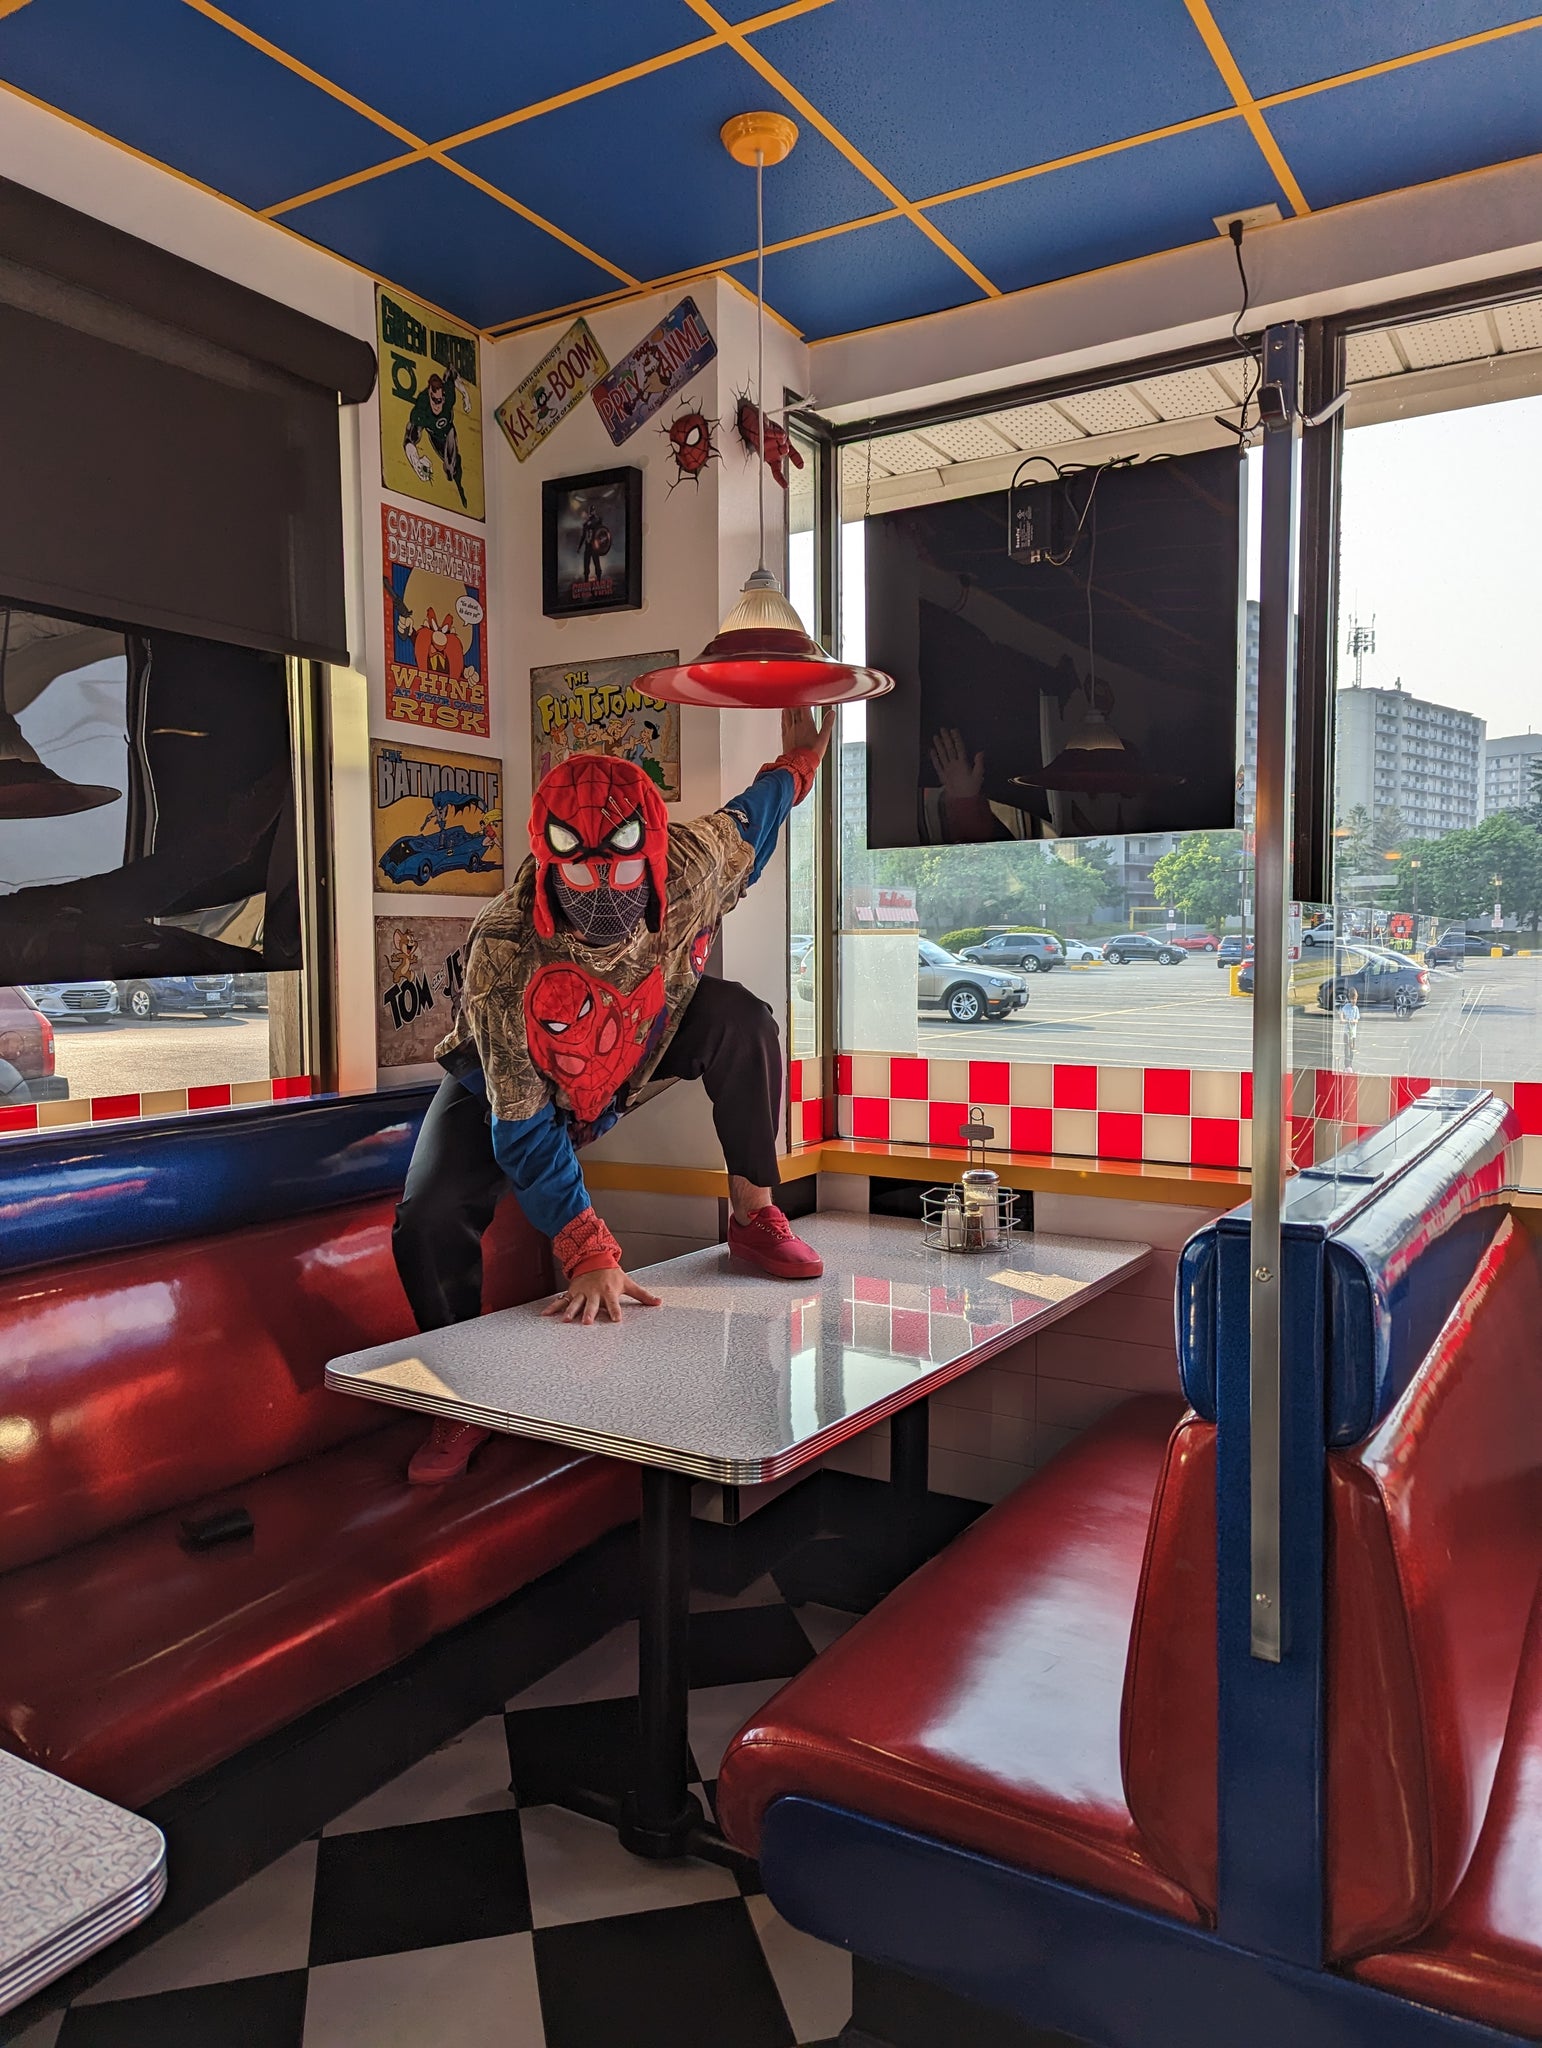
{"x": 761, "y": 655}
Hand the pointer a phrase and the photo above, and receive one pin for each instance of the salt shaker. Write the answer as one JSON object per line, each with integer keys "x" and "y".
{"x": 953, "y": 1224}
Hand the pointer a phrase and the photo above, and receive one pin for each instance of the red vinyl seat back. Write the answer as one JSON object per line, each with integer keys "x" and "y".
{"x": 1434, "y": 1554}
{"x": 138, "y": 1381}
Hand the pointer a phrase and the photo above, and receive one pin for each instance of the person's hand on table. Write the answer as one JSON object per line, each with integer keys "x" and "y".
{"x": 588, "y": 1297}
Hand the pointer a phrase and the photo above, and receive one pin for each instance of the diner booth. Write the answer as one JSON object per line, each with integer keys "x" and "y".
{"x": 1105, "y": 1606}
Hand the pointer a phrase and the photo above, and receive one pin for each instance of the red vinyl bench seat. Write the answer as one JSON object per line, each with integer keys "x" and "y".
{"x": 981, "y": 1702}
{"x": 144, "y": 1387}
{"x": 1482, "y": 1958}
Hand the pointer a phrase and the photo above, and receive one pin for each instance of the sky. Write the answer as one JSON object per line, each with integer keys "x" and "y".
{"x": 1442, "y": 541}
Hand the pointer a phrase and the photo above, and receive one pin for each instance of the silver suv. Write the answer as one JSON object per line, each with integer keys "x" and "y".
{"x": 968, "y": 993}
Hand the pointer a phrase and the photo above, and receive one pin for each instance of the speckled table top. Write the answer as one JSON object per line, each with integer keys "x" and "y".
{"x": 739, "y": 1377}
{"x": 75, "y": 1872}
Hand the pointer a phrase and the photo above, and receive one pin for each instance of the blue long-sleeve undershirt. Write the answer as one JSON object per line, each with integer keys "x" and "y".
{"x": 537, "y": 1152}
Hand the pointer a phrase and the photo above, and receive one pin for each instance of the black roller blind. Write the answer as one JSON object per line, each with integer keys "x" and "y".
{"x": 171, "y": 441}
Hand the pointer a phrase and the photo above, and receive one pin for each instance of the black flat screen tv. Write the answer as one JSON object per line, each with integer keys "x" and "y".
{"x": 1091, "y": 693}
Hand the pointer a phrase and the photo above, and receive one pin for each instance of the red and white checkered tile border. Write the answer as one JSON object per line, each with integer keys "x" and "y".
{"x": 1183, "y": 1116}
{"x": 102, "y": 1109}
{"x": 806, "y": 1109}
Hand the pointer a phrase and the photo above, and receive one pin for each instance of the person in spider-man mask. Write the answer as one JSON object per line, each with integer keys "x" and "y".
{"x": 585, "y": 991}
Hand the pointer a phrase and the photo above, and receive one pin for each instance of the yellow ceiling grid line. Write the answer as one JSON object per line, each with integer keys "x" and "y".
{"x": 736, "y": 40}
{"x": 11, "y": 7}
{"x": 1085, "y": 156}
{"x": 1252, "y": 113}
{"x": 1386, "y": 64}
{"x": 419, "y": 149}
{"x": 644, "y": 68}
{"x": 224, "y": 198}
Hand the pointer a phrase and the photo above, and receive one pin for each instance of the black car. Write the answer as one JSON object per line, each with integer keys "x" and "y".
{"x": 1383, "y": 980}
{"x": 1127, "y": 946}
{"x": 1457, "y": 945}
{"x": 1033, "y": 952}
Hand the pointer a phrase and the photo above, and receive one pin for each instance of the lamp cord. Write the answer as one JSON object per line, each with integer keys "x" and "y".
{"x": 760, "y": 342}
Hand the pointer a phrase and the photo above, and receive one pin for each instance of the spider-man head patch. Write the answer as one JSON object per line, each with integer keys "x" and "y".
{"x": 701, "y": 946}
{"x": 599, "y": 832}
{"x": 586, "y": 1036}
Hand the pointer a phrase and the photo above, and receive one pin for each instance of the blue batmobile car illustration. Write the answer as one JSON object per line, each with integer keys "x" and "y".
{"x": 426, "y": 854}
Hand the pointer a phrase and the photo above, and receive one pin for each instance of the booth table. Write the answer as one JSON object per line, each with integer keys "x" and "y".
{"x": 737, "y": 1378}
{"x": 75, "y": 1873}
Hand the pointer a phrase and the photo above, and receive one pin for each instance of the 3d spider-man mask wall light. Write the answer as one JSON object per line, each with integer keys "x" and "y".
{"x": 600, "y": 835}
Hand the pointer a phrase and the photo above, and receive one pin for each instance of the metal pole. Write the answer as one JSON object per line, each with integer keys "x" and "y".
{"x": 660, "y": 1814}
{"x": 1271, "y": 905}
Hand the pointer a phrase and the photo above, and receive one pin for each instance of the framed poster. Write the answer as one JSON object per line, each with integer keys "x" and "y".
{"x": 435, "y": 579}
{"x": 430, "y": 406}
{"x": 595, "y": 707}
{"x": 437, "y": 821}
{"x": 591, "y": 543}
{"x": 420, "y": 963}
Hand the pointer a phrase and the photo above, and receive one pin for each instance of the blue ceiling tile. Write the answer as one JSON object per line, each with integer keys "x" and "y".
{"x": 942, "y": 96}
{"x": 1134, "y": 202}
{"x": 642, "y": 177}
{"x": 172, "y": 83}
{"x": 441, "y": 72}
{"x": 432, "y": 233}
{"x": 889, "y": 271}
{"x": 1278, "y": 47}
{"x": 1458, "y": 113}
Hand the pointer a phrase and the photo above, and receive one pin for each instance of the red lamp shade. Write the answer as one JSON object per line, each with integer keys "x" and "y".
{"x": 763, "y": 659}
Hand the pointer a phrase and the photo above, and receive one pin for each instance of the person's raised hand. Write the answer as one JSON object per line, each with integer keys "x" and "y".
{"x": 802, "y": 732}
{"x": 591, "y": 1297}
{"x": 959, "y": 775}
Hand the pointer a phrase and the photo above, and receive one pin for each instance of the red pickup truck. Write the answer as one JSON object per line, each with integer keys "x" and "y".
{"x": 27, "y": 1052}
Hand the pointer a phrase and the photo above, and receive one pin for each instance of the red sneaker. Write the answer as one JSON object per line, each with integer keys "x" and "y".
{"x": 768, "y": 1241}
{"x": 445, "y": 1453}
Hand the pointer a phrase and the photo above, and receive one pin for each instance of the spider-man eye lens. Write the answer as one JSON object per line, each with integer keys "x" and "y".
{"x": 627, "y": 837}
{"x": 554, "y": 1025}
{"x": 561, "y": 838}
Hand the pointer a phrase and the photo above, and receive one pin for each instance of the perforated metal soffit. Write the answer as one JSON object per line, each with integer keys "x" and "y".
{"x": 1182, "y": 395}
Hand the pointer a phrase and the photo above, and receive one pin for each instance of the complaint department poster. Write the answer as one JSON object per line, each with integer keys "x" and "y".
{"x": 435, "y": 585}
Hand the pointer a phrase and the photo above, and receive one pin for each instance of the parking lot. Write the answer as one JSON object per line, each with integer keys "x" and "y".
{"x": 1481, "y": 1023}
{"x": 117, "y": 1056}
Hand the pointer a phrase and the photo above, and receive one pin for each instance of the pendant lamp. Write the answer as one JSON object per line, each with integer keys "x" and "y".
{"x": 1095, "y": 762}
{"x": 761, "y": 657}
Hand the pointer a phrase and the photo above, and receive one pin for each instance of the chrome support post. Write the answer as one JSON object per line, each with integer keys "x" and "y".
{"x": 1277, "y": 631}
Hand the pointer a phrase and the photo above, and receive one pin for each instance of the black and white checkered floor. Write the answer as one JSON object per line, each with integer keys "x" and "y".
{"x": 444, "y": 1912}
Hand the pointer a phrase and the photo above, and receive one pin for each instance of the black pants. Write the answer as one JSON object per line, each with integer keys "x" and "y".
{"x": 727, "y": 1039}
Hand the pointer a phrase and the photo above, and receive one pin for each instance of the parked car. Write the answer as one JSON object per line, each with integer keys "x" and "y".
{"x": 1078, "y": 952}
{"x": 1382, "y": 980}
{"x": 1234, "y": 948}
{"x": 1198, "y": 942}
{"x": 423, "y": 855}
{"x": 1034, "y": 952}
{"x": 27, "y": 1053}
{"x": 60, "y": 999}
{"x": 209, "y": 995}
{"x": 1459, "y": 945}
{"x": 250, "y": 991}
{"x": 1245, "y": 976}
{"x": 967, "y": 992}
{"x": 1127, "y": 946}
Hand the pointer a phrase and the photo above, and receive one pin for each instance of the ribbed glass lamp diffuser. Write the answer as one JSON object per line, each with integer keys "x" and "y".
{"x": 762, "y": 658}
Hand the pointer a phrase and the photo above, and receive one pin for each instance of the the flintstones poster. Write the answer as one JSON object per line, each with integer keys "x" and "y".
{"x": 435, "y": 582}
{"x": 420, "y": 964}
{"x": 437, "y": 820}
{"x": 430, "y": 407}
{"x": 595, "y": 707}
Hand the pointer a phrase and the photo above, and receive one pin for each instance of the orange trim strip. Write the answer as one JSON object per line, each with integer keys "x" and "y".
{"x": 1252, "y": 113}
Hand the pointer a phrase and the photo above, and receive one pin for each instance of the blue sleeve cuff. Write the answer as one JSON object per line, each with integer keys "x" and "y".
{"x": 761, "y": 812}
{"x": 537, "y": 1155}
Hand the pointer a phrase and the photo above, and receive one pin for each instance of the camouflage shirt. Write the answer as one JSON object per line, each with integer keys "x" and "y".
{"x": 710, "y": 863}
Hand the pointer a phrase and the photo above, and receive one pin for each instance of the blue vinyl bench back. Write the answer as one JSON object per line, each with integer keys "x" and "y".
{"x": 86, "y": 1190}
{"x": 1402, "y": 1218}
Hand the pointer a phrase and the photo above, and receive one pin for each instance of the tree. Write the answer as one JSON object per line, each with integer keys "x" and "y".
{"x": 1201, "y": 876}
{"x": 1456, "y": 877}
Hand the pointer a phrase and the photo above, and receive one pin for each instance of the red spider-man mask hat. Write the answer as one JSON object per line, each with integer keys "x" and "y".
{"x": 599, "y": 833}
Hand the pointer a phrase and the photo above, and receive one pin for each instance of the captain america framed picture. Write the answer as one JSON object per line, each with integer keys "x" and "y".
{"x": 591, "y": 539}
